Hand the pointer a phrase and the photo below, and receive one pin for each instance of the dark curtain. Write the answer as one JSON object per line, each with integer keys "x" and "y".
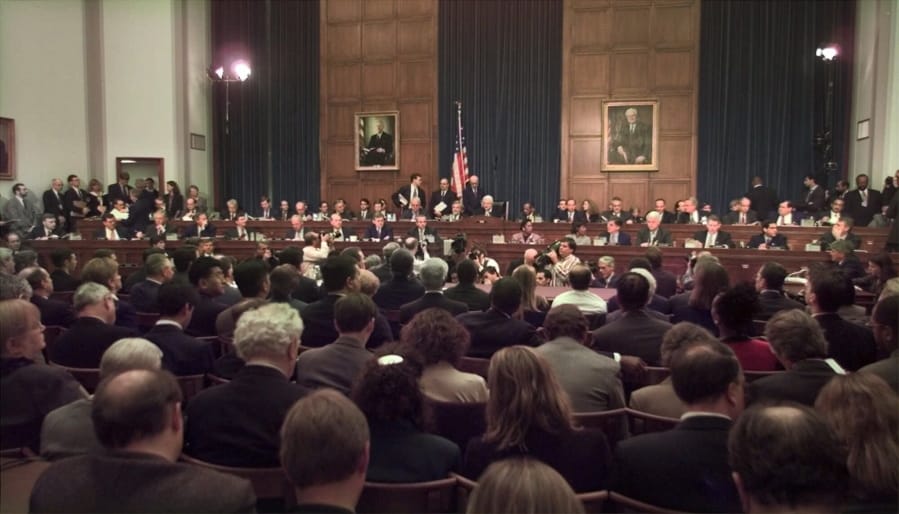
{"x": 762, "y": 94}
{"x": 269, "y": 144}
{"x": 503, "y": 61}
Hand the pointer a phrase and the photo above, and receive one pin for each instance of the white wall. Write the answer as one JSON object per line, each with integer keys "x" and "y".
{"x": 42, "y": 87}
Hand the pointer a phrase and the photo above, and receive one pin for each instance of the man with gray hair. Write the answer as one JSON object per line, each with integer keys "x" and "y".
{"x": 69, "y": 430}
{"x": 83, "y": 344}
{"x": 433, "y": 277}
{"x": 159, "y": 271}
{"x": 799, "y": 344}
{"x": 605, "y": 273}
{"x": 237, "y": 424}
{"x": 13, "y": 287}
{"x": 384, "y": 272}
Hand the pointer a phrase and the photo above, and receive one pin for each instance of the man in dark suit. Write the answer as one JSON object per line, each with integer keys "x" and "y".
{"x": 487, "y": 209}
{"x": 425, "y": 235}
{"x": 337, "y": 232}
{"x": 616, "y": 212}
{"x": 202, "y": 228}
{"x": 339, "y": 276}
{"x": 666, "y": 282}
{"x": 495, "y": 328}
{"x": 403, "y": 287}
{"x": 605, "y": 273}
{"x": 240, "y": 232}
{"x": 380, "y": 148}
{"x": 161, "y": 226}
{"x": 787, "y": 214}
{"x": 851, "y": 345}
{"x": 338, "y": 364}
{"x": 769, "y": 238}
{"x": 762, "y": 199}
{"x": 472, "y": 195}
{"x": 208, "y": 277}
{"x": 433, "y": 277}
{"x": 614, "y": 236}
{"x": 841, "y": 231}
{"x": 53, "y": 312}
{"x": 144, "y": 295}
{"x": 466, "y": 291}
{"x": 814, "y": 199}
{"x": 140, "y": 210}
{"x": 713, "y": 236}
{"x": 862, "y": 203}
{"x": 120, "y": 190}
{"x": 181, "y": 354}
{"x": 769, "y": 283}
{"x": 219, "y": 429}
{"x": 83, "y": 344}
{"x": 741, "y": 213}
{"x": 54, "y": 202}
{"x": 296, "y": 232}
{"x": 365, "y": 213}
{"x": 666, "y": 215}
{"x": 572, "y": 214}
{"x": 65, "y": 261}
{"x": 307, "y": 291}
{"x": 799, "y": 345}
{"x": 636, "y": 332}
{"x": 631, "y": 140}
{"x": 843, "y": 254}
{"x": 48, "y": 228}
{"x": 75, "y": 201}
{"x": 403, "y": 197}
{"x": 378, "y": 230}
{"x": 137, "y": 417}
{"x": 111, "y": 230}
{"x": 445, "y": 196}
{"x": 652, "y": 234}
{"x": 686, "y": 468}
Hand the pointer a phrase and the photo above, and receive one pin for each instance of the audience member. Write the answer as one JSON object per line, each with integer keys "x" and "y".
{"x": 786, "y": 459}
{"x": 880, "y": 269}
{"x": 800, "y": 347}
{"x": 528, "y": 414}
{"x": 181, "y": 354}
{"x": 635, "y": 332}
{"x": 83, "y": 344}
{"x": 710, "y": 278}
{"x": 29, "y": 389}
{"x": 496, "y": 328}
{"x": 885, "y": 326}
{"x": 579, "y": 295}
{"x": 253, "y": 282}
{"x": 336, "y": 365}
{"x": 307, "y": 290}
{"x": 137, "y": 418}
{"x": 658, "y": 306}
{"x": 69, "y": 430}
{"x": 65, "y": 263}
{"x": 686, "y": 469}
{"x": 605, "y": 273}
{"x": 207, "y": 276}
{"x": 433, "y": 276}
{"x": 589, "y": 379}
{"x": 843, "y": 255}
{"x": 666, "y": 282}
{"x": 402, "y": 287}
{"x": 466, "y": 291}
{"x": 325, "y": 452}
{"x": 105, "y": 271}
{"x": 517, "y": 485}
{"x": 533, "y": 306}
{"x": 340, "y": 276}
{"x": 144, "y": 294}
{"x": 140, "y": 274}
{"x": 284, "y": 280}
{"x": 53, "y": 312}
{"x": 769, "y": 283}
{"x": 733, "y": 311}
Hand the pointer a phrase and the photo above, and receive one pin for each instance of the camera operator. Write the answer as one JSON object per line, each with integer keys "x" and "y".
{"x": 481, "y": 259}
{"x": 563, "y": 260}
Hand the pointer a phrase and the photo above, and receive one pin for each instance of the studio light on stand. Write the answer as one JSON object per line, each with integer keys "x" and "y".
{"x": 829, "y": 54}
{"x": 239, "y": 71}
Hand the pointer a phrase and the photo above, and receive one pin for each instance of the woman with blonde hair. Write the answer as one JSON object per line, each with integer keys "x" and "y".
{"x": 528, "y": 414}
{"x": 864, "y": 412}
{"x": 533, "y": 306}
{"x": 522, "y": 486}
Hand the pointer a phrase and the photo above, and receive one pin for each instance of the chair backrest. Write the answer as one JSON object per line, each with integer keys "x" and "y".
{"x": 191, "y": 385}
{"x": 437, "y": 496}
{"x": 613, "y": 423}
{"x": 51, "y": 334}
{"x": 215, "y": 380}
{"x": 475, "y": 365}
{"x": 458, "y": 422}
{"x": 758, "y": 327}
{"x": 89, "y": 378}
{"x": 594, "y": 501}
{"x": 19, "y": 470}
{"x": 219, "y": 348}
{"x": 622, "y": 503}
{"x": 752, "y": 376}
{"x": 595, "y": 321}
{"x": 146, "y": 320}
{"x": 268, "y": 483}
{"x": 644, "y": 422}
{"x": 464, "y": 487}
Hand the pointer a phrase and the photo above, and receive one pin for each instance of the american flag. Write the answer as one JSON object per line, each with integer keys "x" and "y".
{"x": 460, "y": 157}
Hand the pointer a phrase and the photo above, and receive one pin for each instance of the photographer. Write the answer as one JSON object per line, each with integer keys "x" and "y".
{"x": 563, "y": 260}
{"x": 481, "y": 259}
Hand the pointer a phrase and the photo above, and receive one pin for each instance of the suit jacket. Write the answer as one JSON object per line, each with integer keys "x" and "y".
{"x": 763, "y": 200}
{"x": 318, "y": 323}
{"x": 120, "y": 481}
{"x": 722, "y": 239}
{"x": 800, "y": 384}
{"x": 371, "y": 233}
{"x": 181, "y": 353}
{"x": 291, "y": 234}
{"x": 402, "y": 453}
{"x": 397, "y": 292}
{"x": 663, "y": 237}
{"x": 114, "y": 192}
{"x": 659, "y": 399}
{"x": 495, "y": 212}
{"x": 493, "y": 330}
{"x": 471, "y": 200}
{"x": 62, "y": 281}
{"x": 666, "y": 282}
{"x": 307, "y": 291}
{"x": 219, "y": 430}
{"x": 174, "y": 204}
{"x": 447, "y": 198}
{"x": 54, "y": 204}
{"x": 778, "y": 241}
{"x": 54, "y": 312}
{"x": 658, "y": 304}
{"x": 773, "y": 302}
{"x": 576, "y": 217}
{"x": 367, "y": 215}
{"x": 470, "y": 295}
{"x": 590, "y": 379}
{"x": 143, "y": 296}
{"x": 827, "y": 239}
{"x": 681, "y": 310}
{"x": 635, "y": 333}
{"x": 622, "y": 216}
{"x": 191, "y": 231}
{"x": 406, "y": 192}
{"x": 852, "y": 267}
{"x": 335, "y": 365}
{"x": 125, "y": 315}
{"x": 683, "y": 469}
{"x": 231, "y": 234}
{"x": 733, "y": 218}
{"x": 431, "y": 299}
{"x": 140, "y": 211}
{"x": 70, "y": 197}
{"x": 862, "y": 215}
{"x": 684, "y": 218}
{"x": 429, "y": 231}
{"x": 668, "y": 217}
{"x": 851, "y": 345}
{"x": 623, "y": 239}
{"x": 82, "y": 345}
{"x": 123, "y": 232}
{"x": 813, "y": 202}
{"x": 202, "y": 323}
{"x": 611, "y": 282}
{"x": 22, "y": 215}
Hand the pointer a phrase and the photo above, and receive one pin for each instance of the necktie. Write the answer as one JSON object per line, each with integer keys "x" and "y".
{"x": 652, "y": 239}
{"x": 124, "y": 191}
{"x": 379, "y": 233}
{"x": 570, "y": 216}
{"x": 710, "y": 241}
{"x": 632, "y": 128}
{"x": 614, "y": 238}
{"x": 742, "y": 218}
{"x": 864, "y": 197}
{"x": 160, "y": 230}
{"x": 780, "y": 220}
{"x": 767, "y": 240}
{"x": 421, "y": 235}
{"x": 112, "y": 235}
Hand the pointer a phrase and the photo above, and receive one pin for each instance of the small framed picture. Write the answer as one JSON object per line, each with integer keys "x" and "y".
{"x": 197, "y": 142}
{"x": 863, "y": 129}
{"x": 7, "y": 149}
{"x": 377, "y": 147}
{"x": 631, "y": 140}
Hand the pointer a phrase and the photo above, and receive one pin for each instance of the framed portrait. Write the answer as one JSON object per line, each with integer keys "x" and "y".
{"x": 377, "y": 147}
{"x": 7, "y": 149}
{"x": 631, "y": 141}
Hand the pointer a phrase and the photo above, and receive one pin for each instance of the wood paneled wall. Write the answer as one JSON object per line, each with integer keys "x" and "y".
{"x": 629, "y": 50}
{"x": 377, "y": 55}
